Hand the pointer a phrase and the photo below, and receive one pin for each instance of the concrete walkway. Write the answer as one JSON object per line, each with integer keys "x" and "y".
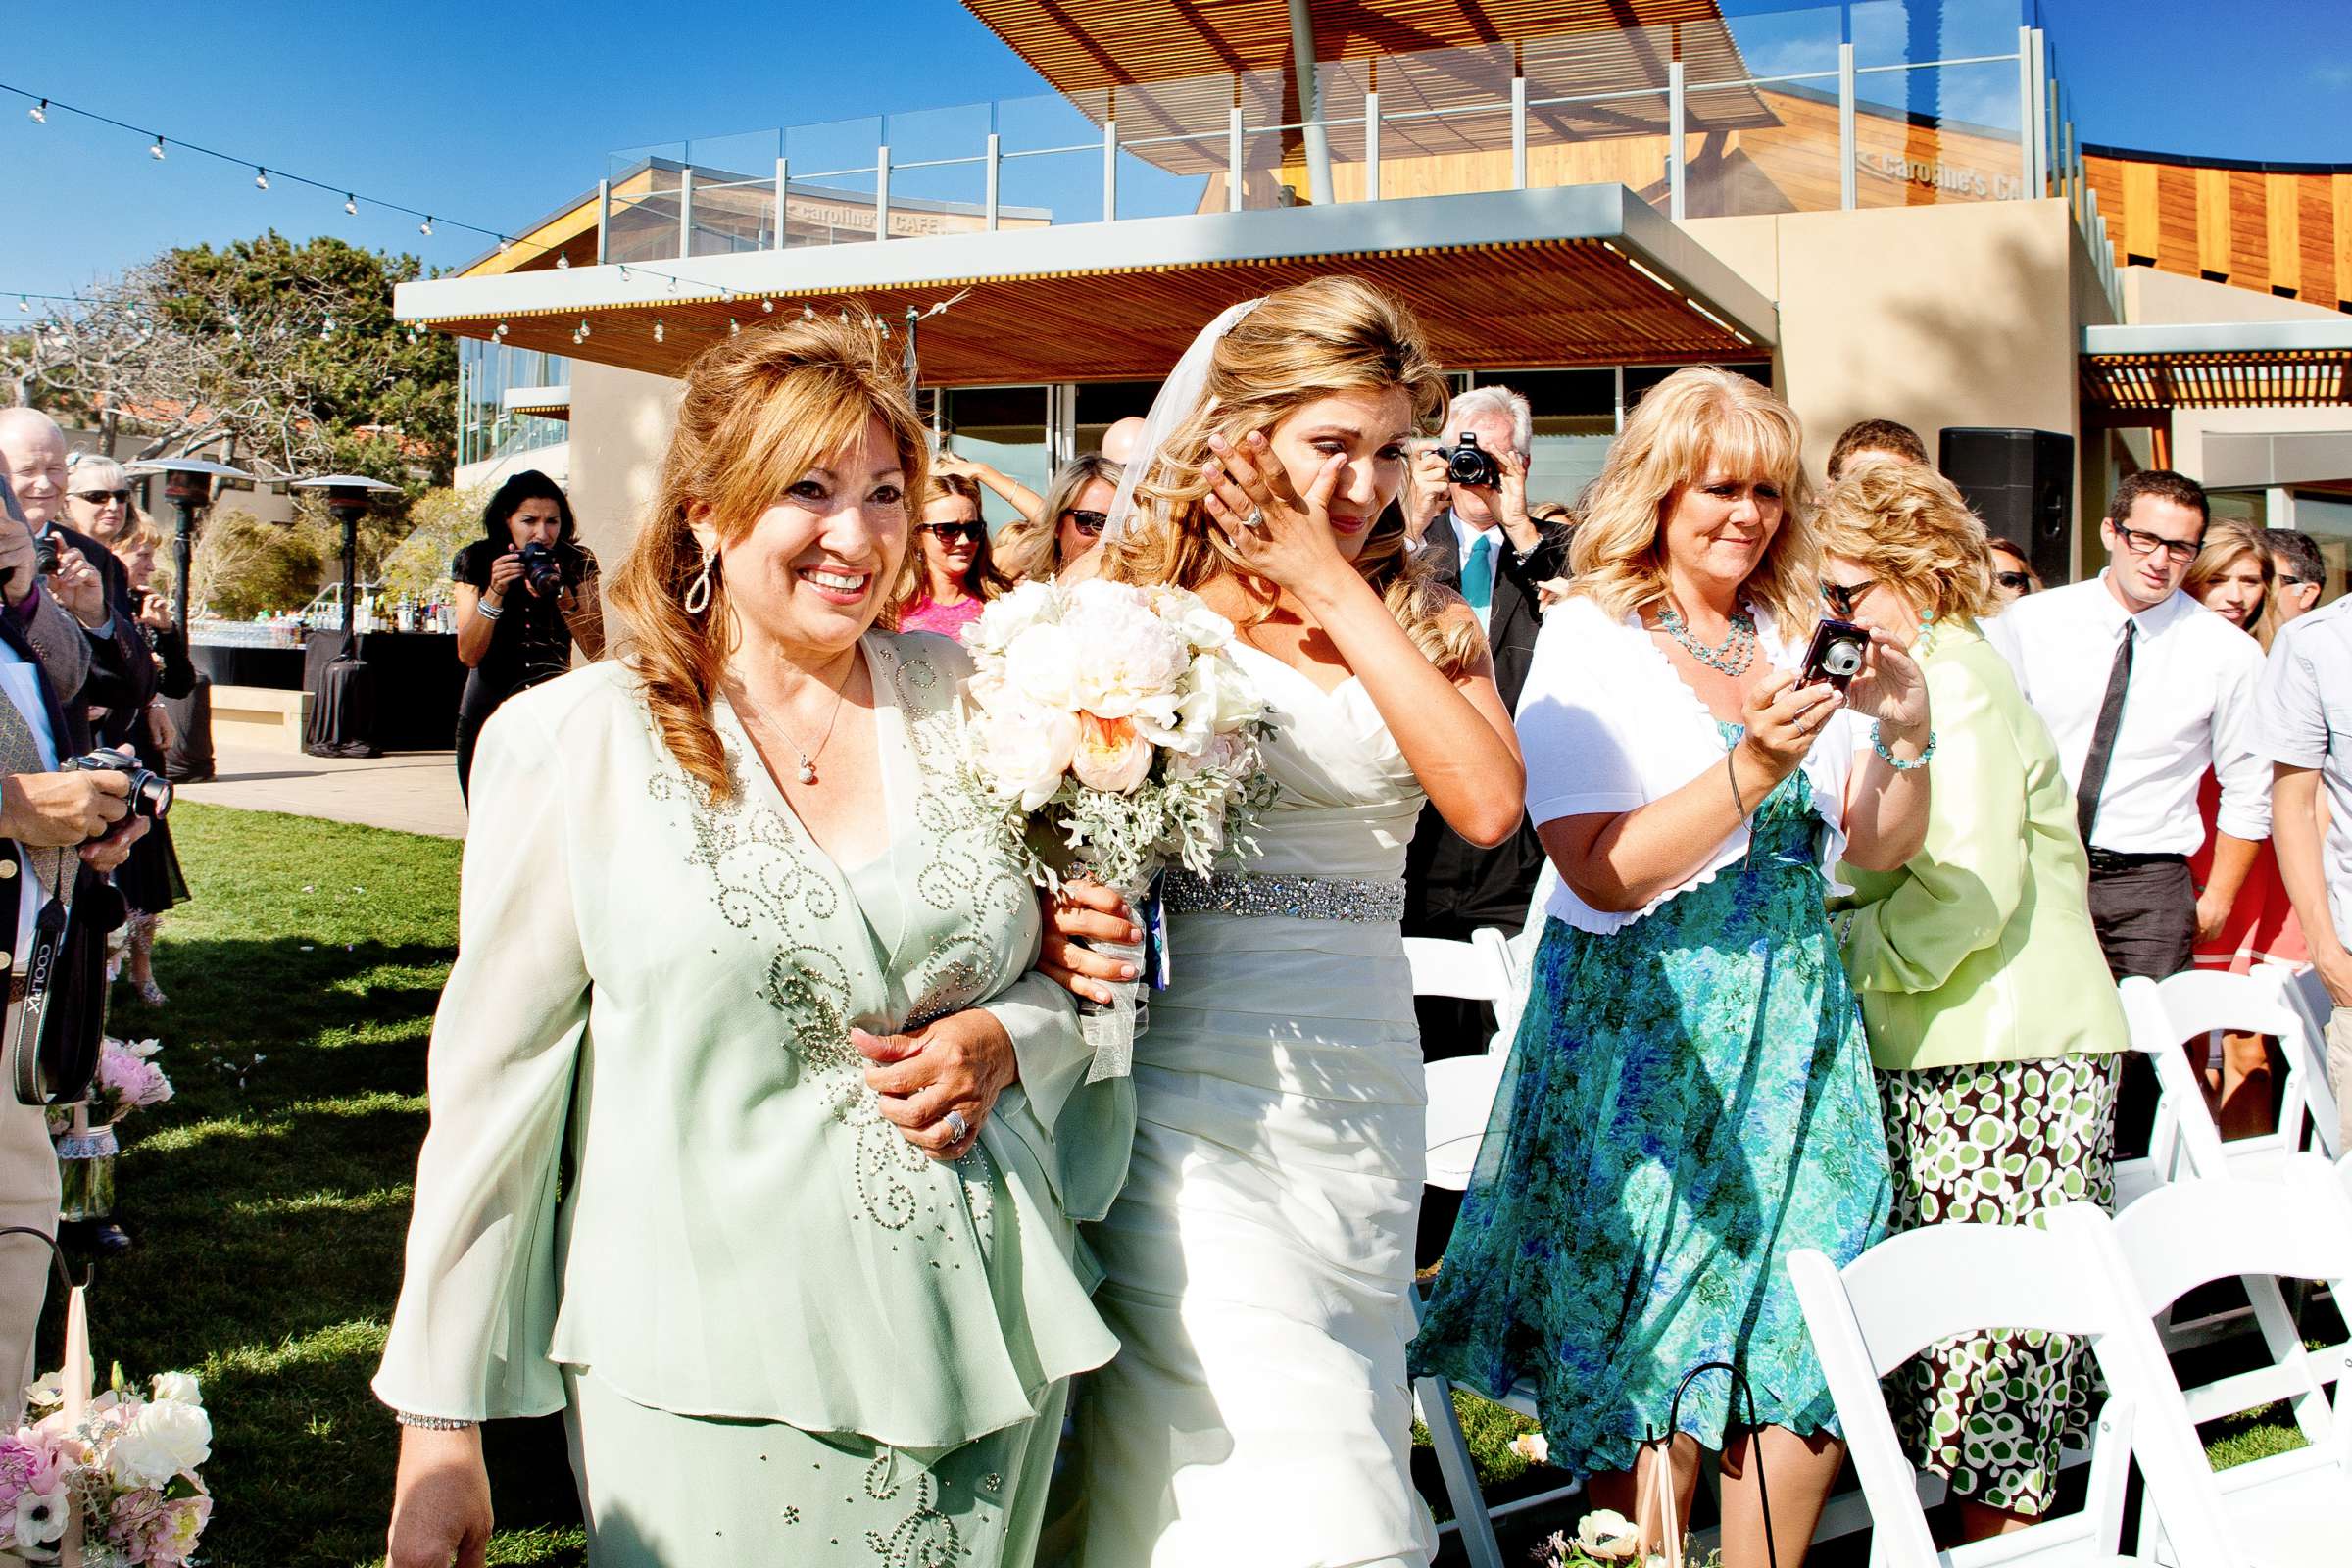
{"x": 413, "y": 792}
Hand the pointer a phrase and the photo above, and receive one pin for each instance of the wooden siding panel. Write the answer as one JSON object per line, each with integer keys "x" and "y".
{"x": 2213, "y": 222}
{"x": 2250, "y": 231}
{"x": 2133, "y": 212}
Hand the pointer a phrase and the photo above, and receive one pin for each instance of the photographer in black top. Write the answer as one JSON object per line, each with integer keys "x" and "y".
{"x": 527, "y": 592}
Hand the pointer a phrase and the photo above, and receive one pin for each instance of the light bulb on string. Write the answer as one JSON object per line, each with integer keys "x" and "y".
{"x": 261, "y": 178}
{"x": 23, "y": 303}
{"x": 734, "y": 327}
{"x": 427, "y": 228}
{"x": 562, "y": 260}
{"x": 502, "y": 330}
{"x": 657, "y": 329}
{"x": 38, "y": 114}
{"x": 505, "y": 244}
{"x": 351, "y": 204}
{"x": 768, "y": 307}
{"x": 807, "y": 313}
{"x": 156, "y": 150}
{"x": 327, "y": 329}
{"x": 583, "y": 326}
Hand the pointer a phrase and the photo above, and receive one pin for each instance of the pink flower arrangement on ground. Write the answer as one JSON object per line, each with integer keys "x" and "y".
{"x": 128, "y": 1080}
{"x": 130, "y": 1464}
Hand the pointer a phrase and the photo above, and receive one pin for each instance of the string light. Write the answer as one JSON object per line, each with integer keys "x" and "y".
{"x": 768, "y": 307}
{"x": 734, "y": 327}
{"x": 657, "y": 329}
{"x": 562, "y": 260}
{"x": 156, "y": 150}
{"x": 502, "y": 330}
{"x": 23, "y": 303}
{"x": 351, "y": 204}
{"x": 260, "y": 177}
{"x": 427, "y": 228}
{"x": 583, "y": 332}
{"x": 39, "y": 113}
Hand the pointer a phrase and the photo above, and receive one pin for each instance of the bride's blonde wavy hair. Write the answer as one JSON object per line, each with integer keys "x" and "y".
{"x": 1698, "y": 420}
{"x": 758, "y": 411}
{"x": 1308, "y": 341}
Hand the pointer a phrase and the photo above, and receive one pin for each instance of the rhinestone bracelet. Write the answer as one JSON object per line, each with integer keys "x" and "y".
{"x": 1877, "y": 744}
{"x": 432, "y": 1423}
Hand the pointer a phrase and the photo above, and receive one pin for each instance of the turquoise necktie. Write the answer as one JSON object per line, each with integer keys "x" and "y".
{"x": 1477, "y": 575}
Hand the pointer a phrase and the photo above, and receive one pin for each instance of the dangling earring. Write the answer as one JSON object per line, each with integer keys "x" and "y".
{"x": 698, "y": 592}
{"x": 1927, "y": 629}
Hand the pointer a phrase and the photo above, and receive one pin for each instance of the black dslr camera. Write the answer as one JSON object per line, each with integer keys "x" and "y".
{"x": 44, "y": 556}
{"x": 150, "y": 793}
{"x": 1470, "y": 464}
{"x": 543, "y": 569}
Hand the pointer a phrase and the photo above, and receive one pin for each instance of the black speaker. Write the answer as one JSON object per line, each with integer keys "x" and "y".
{"x": 2021, "y": 483}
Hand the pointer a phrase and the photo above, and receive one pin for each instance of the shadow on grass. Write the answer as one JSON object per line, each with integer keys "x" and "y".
{"x": 270, "y": 1201}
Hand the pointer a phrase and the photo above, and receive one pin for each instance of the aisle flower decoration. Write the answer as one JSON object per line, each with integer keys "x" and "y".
{"x": 127, "y": 1464}
{"x": 1114, "y": 734}
{"x": 129, "y": 1079}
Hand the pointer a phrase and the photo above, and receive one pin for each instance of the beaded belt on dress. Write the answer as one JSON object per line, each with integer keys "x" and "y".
{"x": 1299, "y": 897}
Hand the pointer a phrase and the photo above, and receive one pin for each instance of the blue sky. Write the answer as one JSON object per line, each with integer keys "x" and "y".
{"x": 495, "y": 114}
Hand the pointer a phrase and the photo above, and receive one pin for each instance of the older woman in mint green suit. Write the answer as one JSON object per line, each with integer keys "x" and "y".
{"x": 1992, "y": 1021}
{"x": 754, "y": 1148}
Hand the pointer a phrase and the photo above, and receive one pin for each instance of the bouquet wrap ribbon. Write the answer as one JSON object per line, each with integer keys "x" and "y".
{"x": 1110, "y": 1027}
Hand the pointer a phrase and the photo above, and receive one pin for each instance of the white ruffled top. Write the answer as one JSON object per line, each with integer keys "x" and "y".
{"x": 1607, "y": 725}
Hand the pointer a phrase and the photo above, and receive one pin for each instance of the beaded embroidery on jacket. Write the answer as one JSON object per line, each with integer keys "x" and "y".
{"x": 766, "y": 881}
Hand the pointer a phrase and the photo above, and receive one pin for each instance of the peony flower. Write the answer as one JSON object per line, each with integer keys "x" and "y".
{"x": 1607, "y": 1535}
{"x": 1024, "y": 751}
{"x": 1127, "y": 660}
{"x": 1530, "y": 1446}
{"x": 1111, "y": 756}
{"x": 180, "y": 1386}
{"x": 1006, "y": 619}
{"x": 44, "y": 1392}
{"x": 1226, "y": 753}
{"x": 1041, "y": 667}
{"x": 38, "y": 1518}
{"x": 161, "y": 1440}
{"x": 1198, "y": 624}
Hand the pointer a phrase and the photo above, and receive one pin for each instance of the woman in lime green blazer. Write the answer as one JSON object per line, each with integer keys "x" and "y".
{"x": 1991, "y": 1019}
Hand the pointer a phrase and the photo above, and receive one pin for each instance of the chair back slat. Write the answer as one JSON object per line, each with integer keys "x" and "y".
{"x": 1984, "y": 1276}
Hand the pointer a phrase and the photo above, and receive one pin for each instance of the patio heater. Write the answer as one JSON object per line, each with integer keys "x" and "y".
{"x": 342, "y": 690}
{"x": 188, "y": 486}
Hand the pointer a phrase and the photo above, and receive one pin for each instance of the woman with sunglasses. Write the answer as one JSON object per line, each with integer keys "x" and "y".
{"x": 1995, "y": 1037}
{"x": 98, "y": 498}
{"x": 948, "y": 576}
{"x": 1068, "y": 525}
{"x": 2013, "y": 574}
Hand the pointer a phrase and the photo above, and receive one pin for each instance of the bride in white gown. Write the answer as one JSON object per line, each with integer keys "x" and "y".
{"x": 1260, "y": 1257}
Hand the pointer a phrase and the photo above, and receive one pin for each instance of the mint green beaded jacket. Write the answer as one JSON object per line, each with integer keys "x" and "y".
{"x": 653, "y": 995}
{"x": 1980, "y": 949}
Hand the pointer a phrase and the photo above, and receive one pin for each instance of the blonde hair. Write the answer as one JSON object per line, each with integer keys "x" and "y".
{"x": 1698, "y": 420}
{"x": 2229, "y": 541}
{"x": 1030, "y": 546}
{"x": 1312, "y": 340}
{"x": 985, "y": 581}
{"x": 758, "y": 411}
{"x": 1912, "y": 529}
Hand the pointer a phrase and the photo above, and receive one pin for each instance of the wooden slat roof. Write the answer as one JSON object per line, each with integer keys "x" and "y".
{"x": 2151, "y": 383}
{"x": 1082, "y": 46}
{"x": 1539, "y": 301}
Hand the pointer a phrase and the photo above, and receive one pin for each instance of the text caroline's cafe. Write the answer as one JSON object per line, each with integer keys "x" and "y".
{"x": 1881, "y": 217}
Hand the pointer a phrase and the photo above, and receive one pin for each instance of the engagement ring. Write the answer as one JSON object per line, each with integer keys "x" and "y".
{"x": 1255, "y": 519}
{"x": 958, "y": 1128}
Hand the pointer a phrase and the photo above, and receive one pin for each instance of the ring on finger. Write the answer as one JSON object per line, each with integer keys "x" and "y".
{"x": 1255, "y": 519}
{"x": 958, "y": 1128}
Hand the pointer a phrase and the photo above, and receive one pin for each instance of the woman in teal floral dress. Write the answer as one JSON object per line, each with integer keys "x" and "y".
{"x": 1689, "y": 1098}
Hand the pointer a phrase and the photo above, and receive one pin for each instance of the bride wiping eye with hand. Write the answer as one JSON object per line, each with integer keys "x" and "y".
{"x": 1260, "y": 1257}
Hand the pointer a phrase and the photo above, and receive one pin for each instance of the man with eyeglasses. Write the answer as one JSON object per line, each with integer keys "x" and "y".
{"x": 92, "y": 583}
{"x": 2144, "y": 690}
{"x": 2299, "y": 572}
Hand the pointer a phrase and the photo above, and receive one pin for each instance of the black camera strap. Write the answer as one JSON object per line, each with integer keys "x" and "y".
{"x": 41, "y": 986}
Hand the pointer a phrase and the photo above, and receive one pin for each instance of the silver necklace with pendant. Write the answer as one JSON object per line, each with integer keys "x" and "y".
{"x": 807, "y": 772}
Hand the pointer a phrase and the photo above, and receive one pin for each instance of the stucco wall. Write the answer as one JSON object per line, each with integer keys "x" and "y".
{"x": 620, "y": 424}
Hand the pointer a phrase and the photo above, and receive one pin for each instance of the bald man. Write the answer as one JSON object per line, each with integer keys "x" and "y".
{"x": 1118, "y": 441}
{"x": 90, "y": 583}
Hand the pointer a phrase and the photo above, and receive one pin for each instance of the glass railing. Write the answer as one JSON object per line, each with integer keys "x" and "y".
{"x": 1773, "y": 108}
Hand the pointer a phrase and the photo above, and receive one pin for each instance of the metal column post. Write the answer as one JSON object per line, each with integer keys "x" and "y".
{"x": 686, "y": 211}
{"x": 1310, "y": 107}
{"x": 2026, "y": 98}
{"x": 995, "y": 167}
{"x": 1110, "y": 169}
{"x": 783, "y": 194}
{"x": 1848, "y": 197}
{"x": 1372, "y": 146}
{"x": 1518, "y": 133}
{"x": 1233, "y": 158}
{"x": 1674, "y": 140}
{"x": 2042, "y": 115}
{"x": 882, "y": 192}
{"x": 604, "y": 216}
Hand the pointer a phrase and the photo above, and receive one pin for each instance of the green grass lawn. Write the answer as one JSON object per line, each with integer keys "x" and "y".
{"x": 270, "y": 1198}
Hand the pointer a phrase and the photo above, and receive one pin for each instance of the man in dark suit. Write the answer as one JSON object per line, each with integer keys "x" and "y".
{"x": 43, "y": 651}
{"x": 1487, "y": 547}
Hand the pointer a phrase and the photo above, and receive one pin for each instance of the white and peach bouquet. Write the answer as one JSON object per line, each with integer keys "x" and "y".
{"x": 120, "y": 1472}
{"x": 1114, "y": 734}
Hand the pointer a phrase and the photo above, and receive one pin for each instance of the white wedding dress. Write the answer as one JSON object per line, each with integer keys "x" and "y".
{"x": 1259, "y": 1259}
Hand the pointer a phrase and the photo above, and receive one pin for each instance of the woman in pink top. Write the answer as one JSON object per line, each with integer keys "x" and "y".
{"x": 948, "y": 575}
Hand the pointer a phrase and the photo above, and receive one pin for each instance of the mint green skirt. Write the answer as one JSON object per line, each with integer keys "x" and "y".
{"x": 665, "y": 1490}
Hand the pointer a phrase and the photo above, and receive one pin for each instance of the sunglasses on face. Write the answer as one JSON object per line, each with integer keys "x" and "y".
{"x": 2017, "y": 582}
{"x": 1088, "y": 523}
{"x": 99, "y": 498}
{"x": 2140, "y": 542}
{"x": 1845, "y": 596}
{"x": 945, "y": 532}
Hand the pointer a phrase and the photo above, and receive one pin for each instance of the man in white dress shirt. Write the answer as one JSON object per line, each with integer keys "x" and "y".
{"x": 2144, "y": 690}
{"x": 2303, "y": 723}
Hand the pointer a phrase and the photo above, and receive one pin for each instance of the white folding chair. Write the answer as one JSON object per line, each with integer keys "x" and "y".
{"x": 2184, "y": 1140}
{"x": 1461, "y": 1101}
{"x": 1926, "y": 1284}
{"x": 2293, "y": 1507}
{"x": 2306, "y": 994}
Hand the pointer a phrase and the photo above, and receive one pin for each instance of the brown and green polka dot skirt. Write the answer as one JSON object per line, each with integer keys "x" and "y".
{"x": 1996, "y": 1143}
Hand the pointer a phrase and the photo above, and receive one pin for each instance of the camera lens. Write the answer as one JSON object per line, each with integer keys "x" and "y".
{"x": 1842, "y": 660}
